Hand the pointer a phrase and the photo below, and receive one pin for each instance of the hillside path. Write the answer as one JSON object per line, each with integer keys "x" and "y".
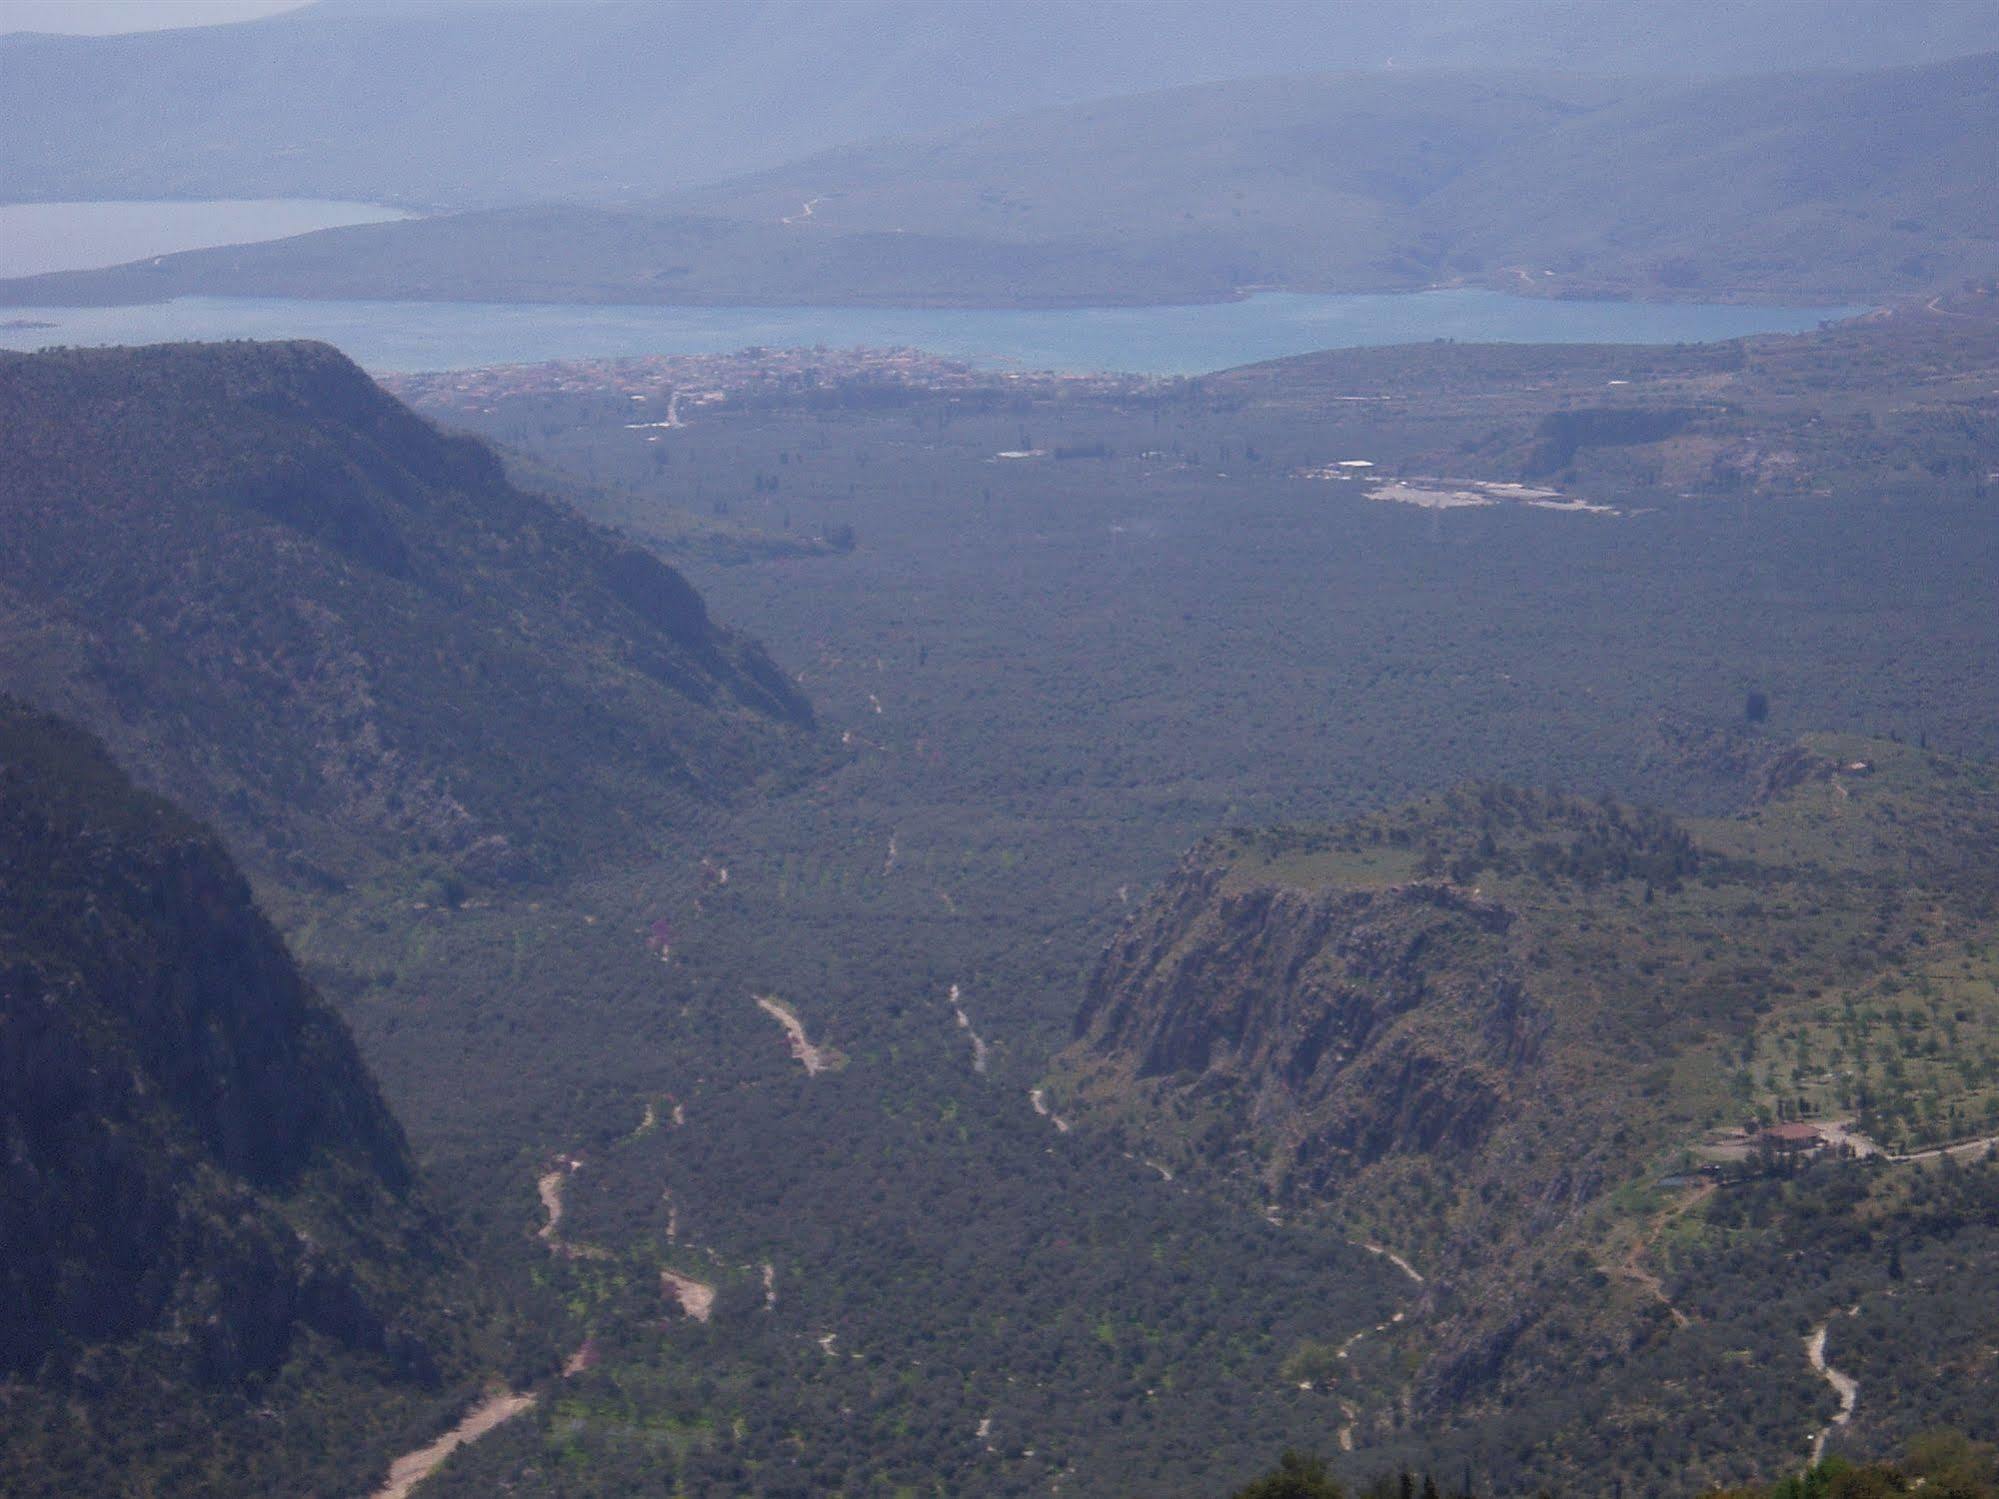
{"x": 1632, "y": 1266}
{"x": 1396, "y": 1260}
{"x": 1844, "y": 1385}
{"x": 412, "y": 1468}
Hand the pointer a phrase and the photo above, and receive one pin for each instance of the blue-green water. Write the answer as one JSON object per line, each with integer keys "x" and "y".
{"x": 407, "y": 336}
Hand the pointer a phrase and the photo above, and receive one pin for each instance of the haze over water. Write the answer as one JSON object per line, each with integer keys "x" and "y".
{"x": 40, "y": 237}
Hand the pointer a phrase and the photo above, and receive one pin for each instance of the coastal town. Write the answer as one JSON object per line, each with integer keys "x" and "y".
{"x": 671, "y": 386}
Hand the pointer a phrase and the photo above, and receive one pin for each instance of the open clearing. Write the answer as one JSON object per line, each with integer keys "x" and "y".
{"x": 695, "y": 1297}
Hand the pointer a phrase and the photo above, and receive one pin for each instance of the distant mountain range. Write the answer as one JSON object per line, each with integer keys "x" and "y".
{"x": 463, "y": 106}
{"x": 1822, "y": 186}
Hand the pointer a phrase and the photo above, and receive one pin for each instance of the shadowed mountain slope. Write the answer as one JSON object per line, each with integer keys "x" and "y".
{"x": 206, "y": 1206}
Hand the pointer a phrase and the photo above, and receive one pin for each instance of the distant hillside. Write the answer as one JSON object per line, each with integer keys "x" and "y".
{"x": 1274, "y": 181}
{"x": 484, "y": 105}
{"x": 1889, "y": 404}
{"x": 1858, "y": 184}
{"x": 1808, "y": 186}
{"x": 295, "y": 605}
{"x": 625, "y": 255}
{"x": 1841, "y": 185}
{"x": 219, "y": 1275}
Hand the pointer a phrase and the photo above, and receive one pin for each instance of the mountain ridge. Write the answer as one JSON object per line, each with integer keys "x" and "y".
{"x": 341, "y": 101}
{"x": 365, "y": 610}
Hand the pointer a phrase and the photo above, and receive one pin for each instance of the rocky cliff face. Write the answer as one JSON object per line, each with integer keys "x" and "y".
{"x": 197, "y": 1175}
{"x": 1343, "y": 1026}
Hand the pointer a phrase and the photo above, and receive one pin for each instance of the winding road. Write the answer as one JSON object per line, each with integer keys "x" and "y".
{"x": 1844, "y": 1385}
{"x": 1350, "y": 1412}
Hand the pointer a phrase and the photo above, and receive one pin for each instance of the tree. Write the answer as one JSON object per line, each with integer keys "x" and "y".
{"x": 1296, "y": 1476}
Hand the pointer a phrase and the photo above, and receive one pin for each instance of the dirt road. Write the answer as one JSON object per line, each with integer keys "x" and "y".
{"x": 1396, "y": 1260}
{"x": 1039, "y": 1099}
{"x": 1844, "y": 1385}
{"x": 979, "y": 1047}
{"x": 549, "y": 1188}
{"x": 412, "y": 1468}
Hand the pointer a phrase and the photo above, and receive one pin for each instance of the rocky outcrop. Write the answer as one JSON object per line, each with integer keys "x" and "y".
{"x": 1339, "y": 1025}
{"x": 1738, "y": 767}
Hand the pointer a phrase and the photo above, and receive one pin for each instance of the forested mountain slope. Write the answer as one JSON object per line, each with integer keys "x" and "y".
{"x": 220, "y": 1275}
{"x": 575, "y": 101}
{"x": 299, "y": 608}
{"x": 1053, "y": 673}
{"x": 1795, "y": 185}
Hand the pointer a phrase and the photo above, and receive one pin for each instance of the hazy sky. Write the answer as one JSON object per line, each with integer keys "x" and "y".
{"x": 99, "y": 16}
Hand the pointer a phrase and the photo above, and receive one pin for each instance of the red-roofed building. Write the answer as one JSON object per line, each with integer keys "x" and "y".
{"x": 1793, "y": 1137}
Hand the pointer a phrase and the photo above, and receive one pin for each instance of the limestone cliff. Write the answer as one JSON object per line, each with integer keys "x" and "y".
{"x": 1343, "y": 1026}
